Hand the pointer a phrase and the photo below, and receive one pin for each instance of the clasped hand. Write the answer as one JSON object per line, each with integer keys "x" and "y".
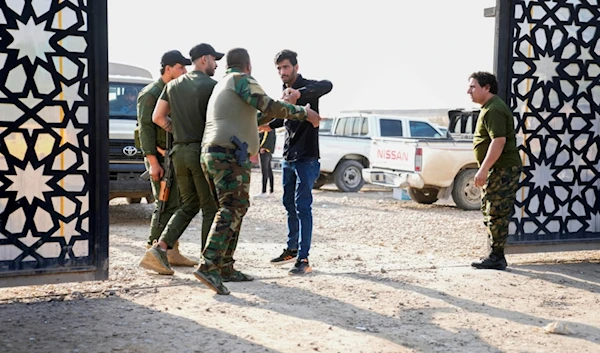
{"x": 291, "y": 95}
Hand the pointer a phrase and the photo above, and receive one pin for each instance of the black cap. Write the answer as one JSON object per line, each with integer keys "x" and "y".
{"x": 202, "y": 49}
{"x": 174, "y": 57}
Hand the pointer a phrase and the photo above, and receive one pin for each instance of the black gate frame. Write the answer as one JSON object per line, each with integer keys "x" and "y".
{"x": 98, "y": 166}
{"x": 503, "y": 62}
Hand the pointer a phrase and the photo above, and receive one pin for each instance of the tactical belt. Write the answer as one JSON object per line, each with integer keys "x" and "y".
{"x": 220, "y": 149}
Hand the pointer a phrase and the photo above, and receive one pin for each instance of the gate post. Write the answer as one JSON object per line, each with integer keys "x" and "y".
{"x": 547, "y": 67}
{"x": 54, "y": 141}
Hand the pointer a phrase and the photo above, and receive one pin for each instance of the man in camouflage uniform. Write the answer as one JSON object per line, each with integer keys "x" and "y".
{"x": 152, "y": 141}
{"x": 185, "y": 99}
{"x": 232, "y": 113}
{"x": 497, "y": 155}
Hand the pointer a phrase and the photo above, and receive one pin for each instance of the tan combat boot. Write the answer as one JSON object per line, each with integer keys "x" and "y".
{"x": 155, "y": 259}
{"x": 177, "y": 259}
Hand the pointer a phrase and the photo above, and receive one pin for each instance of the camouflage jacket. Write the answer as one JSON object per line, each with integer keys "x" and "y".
{"x": 228, "y": 115}
{"x": 251, "y": 92}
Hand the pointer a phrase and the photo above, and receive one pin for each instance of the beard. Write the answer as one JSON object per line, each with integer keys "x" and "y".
{"x": 288, "y": 79}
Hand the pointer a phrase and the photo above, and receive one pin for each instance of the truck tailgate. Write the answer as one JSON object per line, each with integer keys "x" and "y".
{"x": 395, "y": 154}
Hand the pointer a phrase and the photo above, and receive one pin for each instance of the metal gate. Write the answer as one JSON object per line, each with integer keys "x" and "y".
{"x": 548, "y": 67}
{"x": 53, "y": 134}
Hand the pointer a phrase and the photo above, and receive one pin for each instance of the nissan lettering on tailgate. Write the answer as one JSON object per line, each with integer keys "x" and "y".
{"x": 392, "y": 156}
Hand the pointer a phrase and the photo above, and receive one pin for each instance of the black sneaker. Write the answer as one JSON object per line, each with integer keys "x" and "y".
{"x": 492, "y": 262}
{"x": 286, "y": 257}
{"x": 301, "y": 267}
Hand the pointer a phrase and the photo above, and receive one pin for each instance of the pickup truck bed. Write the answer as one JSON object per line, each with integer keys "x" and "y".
{"x": 430, "y": 169}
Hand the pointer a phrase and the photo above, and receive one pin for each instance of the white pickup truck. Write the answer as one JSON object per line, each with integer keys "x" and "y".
{"x": 430, "y": 169}
{"x": 345, "y": 144}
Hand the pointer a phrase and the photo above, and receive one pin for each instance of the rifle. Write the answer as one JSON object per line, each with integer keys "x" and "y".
{"x": 145, "y": 175}
{"x": 241, "y": 152}
{"x": 165, "y": 183}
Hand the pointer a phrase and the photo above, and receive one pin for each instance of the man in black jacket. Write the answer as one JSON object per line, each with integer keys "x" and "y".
{"x": 267, "y": 146}
{"x": 300, "y": 167}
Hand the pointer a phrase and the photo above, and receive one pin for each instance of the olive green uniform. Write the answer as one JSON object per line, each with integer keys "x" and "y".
{"x": 148, "y": 137}
{"x": 188, "y": 98}
{"x": 499, "y": 192}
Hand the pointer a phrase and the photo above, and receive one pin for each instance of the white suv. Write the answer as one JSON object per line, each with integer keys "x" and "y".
{"x": 125, "y": 158}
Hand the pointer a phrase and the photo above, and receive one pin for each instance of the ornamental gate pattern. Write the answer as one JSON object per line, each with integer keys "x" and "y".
{"x": 52, "y": 189}
{"x": 554, "y": 92}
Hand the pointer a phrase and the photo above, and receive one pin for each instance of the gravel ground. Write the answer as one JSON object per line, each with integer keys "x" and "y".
{"x": 389, "y": 276}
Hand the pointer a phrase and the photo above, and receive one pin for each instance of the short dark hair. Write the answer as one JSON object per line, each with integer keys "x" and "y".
{"x": 290, "y": 55}
{"x": 485, "y": 78}
{"x": 130, "y": 90}
{"x": 238, "y": 58}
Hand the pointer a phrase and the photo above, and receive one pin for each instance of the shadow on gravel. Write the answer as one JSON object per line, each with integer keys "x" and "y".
{"x": 405, "y": 330}
{"x": 581, "y": 275}
{"x": 586, "y": 332}
{"x": 109, "y": 324}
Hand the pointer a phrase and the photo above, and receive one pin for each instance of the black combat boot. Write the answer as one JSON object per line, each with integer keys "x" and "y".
{"x": 494, "y": 261}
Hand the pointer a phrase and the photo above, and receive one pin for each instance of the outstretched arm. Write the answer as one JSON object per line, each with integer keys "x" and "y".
{"x": 315, "y": 89}
{"x": 252, "y": 93}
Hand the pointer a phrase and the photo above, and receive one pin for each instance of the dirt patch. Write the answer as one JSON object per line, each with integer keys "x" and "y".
{"x": 390, "y": 276}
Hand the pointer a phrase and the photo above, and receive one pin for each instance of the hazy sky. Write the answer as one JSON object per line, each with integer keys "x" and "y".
{"x": 412, "y": 55}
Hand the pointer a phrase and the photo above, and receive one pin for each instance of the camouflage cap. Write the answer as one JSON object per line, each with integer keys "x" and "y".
{"x": 174, "y": 57}
{"x": 202, "y": 49}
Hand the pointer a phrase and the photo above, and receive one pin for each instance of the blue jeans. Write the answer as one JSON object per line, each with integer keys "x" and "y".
{"x": 298, "y": 179}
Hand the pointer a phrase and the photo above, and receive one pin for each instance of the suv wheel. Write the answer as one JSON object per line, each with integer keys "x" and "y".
{"x": 425, "y": 196}
{"x": 150, "y": 198}
{"x": 131, "y": 200}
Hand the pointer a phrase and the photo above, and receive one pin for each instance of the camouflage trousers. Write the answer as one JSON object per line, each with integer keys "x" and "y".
{"x": 497, "y": 204}
{"x": 229, "y": 184}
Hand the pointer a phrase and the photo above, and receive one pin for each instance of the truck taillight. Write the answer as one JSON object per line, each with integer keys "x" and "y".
{"x": 418, "y": 159}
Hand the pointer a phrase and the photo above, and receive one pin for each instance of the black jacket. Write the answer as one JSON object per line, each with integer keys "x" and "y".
{"x": 269, "y": 141}
{"x": 302, "y": 139}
